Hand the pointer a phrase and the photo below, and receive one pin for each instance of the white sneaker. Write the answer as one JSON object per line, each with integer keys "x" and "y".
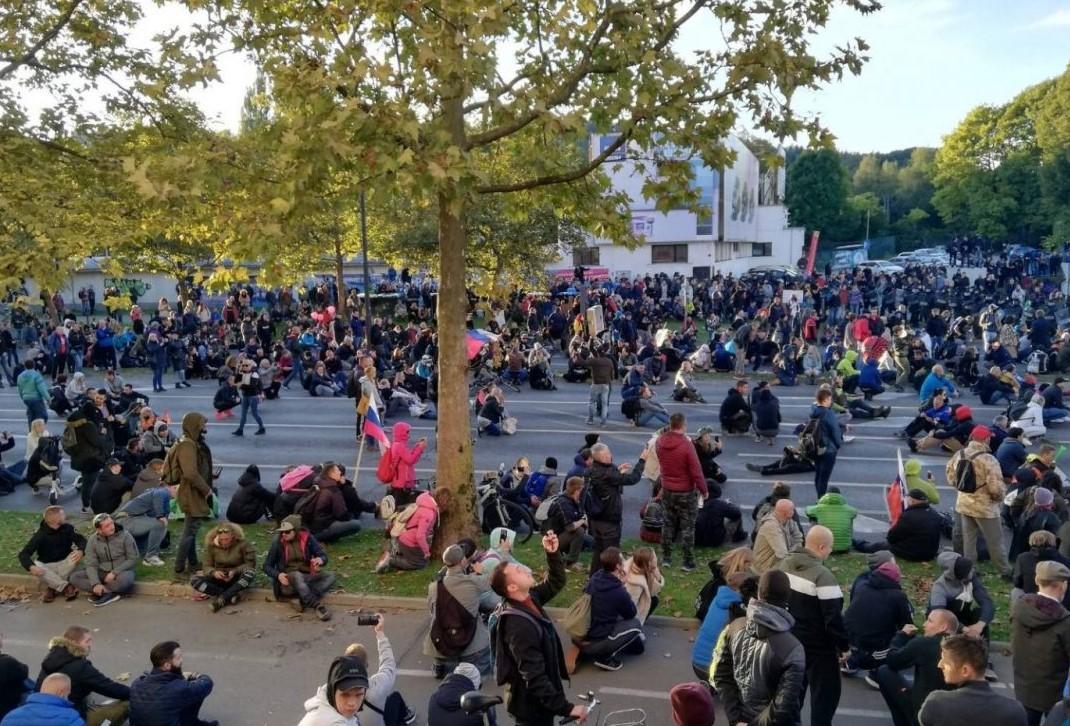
{"x": 848, "y": 439}
{"x": 153, "y": 561}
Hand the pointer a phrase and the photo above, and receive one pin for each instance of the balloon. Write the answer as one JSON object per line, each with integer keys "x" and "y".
{"x": 330, "y": 310}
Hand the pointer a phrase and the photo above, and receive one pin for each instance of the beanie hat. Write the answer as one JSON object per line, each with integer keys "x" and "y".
{"x": 774, "y": 587}
{"x": 878, "y": 558}
{"x": 1043, "y": 497}
{"x": 963, "y": 568}
{"x": 470, "y": 672}
{"x": 453, "y": 556}
{"x": 692, "y": 705}
{"x": 890, "y": 570}
{"x": 590, "y": 440}
{"x": 963, "y": 412}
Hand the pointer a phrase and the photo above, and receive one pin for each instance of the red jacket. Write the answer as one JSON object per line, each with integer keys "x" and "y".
{"x": 680, "y": 467}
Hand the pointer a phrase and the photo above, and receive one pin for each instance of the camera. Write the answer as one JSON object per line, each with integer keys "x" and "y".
{"x": 368, "y": 620}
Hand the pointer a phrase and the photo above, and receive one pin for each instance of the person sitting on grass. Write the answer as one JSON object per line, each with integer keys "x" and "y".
{"x": 295, "y": 565}
{"x": 111, "y": 485}
{"x": 643, "y": 581}
{"x": 110, "y": 558}
{"x": 833, "y": 511}
{"x": 410, "y": 531}
{"x": 229, "y": 566}
{"x": 615, "y": 629}
{"x": 251, "y": 500}
{"x": 53, "y": 553}
{"x": 146, "y": 516}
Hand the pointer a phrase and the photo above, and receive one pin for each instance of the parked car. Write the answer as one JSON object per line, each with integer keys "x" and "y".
{"x": 777, "y": 273}
{"x": 882, "y": 266}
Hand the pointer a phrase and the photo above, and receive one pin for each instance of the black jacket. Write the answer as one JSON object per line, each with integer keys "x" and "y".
{"x": 766, "y": 412}
{"x": 607, "y": 483}
{"x": 108, "y": 492}
{"x": 13, "y": 675}
{"x": 878, "y": 609}
{"x": 563, "y": 513}
{"x": 916, "y": 535}
{"x": 70, "y": 659}
{"x": 444, "y": 708}
{"x": 530, "y": 659}
{"x": 94, "y": 443}
{"x": 251, "y": 501}
{"x": 921, "y": 653}
{"x": 1025, "y": 569}
{"x": 733, "y": 404}
{"x": 159, "y": 698}
{"x": 51, "y": 545}
{"x": 710, "y": 521}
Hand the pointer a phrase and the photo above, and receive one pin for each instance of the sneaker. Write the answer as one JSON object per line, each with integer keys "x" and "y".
{"x": 217, "y": 604}
{"x": 106, "y": 599}
{"x": 237, "y": 433}
{"x": 912, "y": 445}
{"x": 666, "y": 562}
{"x": 590, "y": 422}
{"x": 871, "y": 681}
{"x": 409, "y": 717}
{"x": 260, "y": 431}
{"x": 218, "y": 415}
{"x": 848, "y": 670}
{"x": 153, "y": 561}
{"x": 297, "y": 605}
{"x": 753, "y": 467}
{"x": 49, "y": 596}
{"x": 609, "y": 664}
{"x": 688, "y": 567}
{"x": 70, "y": 593}
{"x": 849, "y": 439}
{"x": 323, "y": 613}
{"x": 383, "y": 564}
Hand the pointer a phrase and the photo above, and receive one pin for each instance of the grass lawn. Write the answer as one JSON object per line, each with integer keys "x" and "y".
{"x": 354, "y": 558}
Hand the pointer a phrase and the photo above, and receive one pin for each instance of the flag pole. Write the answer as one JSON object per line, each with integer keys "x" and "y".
{"x": 360, "y": 456}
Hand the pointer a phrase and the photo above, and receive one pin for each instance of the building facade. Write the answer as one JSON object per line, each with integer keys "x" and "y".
{"x": 747, "y": 225}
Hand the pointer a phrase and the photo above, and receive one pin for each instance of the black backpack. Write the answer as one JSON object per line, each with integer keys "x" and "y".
{"x": 453, "y": 626}
{"x": 811, "y": 439}
{"x": 965, "y": 476}
{"x": 394, "y": 711}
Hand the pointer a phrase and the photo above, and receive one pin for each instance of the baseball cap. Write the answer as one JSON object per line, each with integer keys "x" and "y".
{"x": 113, "y": 462}
{"x": 289, "y": 524}
{"x": 1051, "y": 570}
{"x": 980, "y": 433}
{"x": 918, "y": 494}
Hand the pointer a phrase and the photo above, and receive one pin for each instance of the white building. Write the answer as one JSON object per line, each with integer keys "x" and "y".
{"x": 748, "y": 225}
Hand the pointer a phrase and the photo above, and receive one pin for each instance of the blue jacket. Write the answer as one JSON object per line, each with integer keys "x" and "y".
{"x": 870, "y": 376}
{"x": 932, "y": 382}
{"x": 830, "y": 427}
{"x": 31, "y": 386}
{"x": 157, "y": 698}
{"x": 610, "y": 603}
{"x": 44, "y": 709}
{"x": 105, "y": 338}
{"x": 942, "y": 414}
{"x": 1011, "y": 456}
{"x": 155, "y": 503}
{"x": 712, "y": 625}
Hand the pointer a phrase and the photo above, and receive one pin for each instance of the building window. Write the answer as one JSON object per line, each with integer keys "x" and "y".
{"x": 585, "y": 256}
{"x": 761, "y": 249}
{"x": 668, "y": 253}
{"x": 705, "y": 182}
{"x": 722, "y": 251}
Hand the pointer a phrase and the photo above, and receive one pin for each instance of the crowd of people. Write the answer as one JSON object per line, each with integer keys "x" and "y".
{"x": 774, "y": 629}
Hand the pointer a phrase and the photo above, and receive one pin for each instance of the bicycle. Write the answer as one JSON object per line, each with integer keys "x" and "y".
{"x": 622, "y": 717}
{"x": 509, "y": 514}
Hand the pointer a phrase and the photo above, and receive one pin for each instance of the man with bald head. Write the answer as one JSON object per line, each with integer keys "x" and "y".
{"x": 778, "y": 535}
{"x": 920, "y": 651}
{"x": 816, "y": 603}
{"x": 50, "y": 705}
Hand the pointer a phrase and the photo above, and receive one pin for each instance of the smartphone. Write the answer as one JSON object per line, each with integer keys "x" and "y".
{"x": 717, "y": 439}
{"x": 367, "y": 620}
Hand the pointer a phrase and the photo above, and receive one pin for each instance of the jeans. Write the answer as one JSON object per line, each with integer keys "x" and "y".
{"x": 1052, "y": 415}
{"x": 123, "y": 582}
{"x": 157, "y": 377}
{"x": 89, "y": 480}
{"x": 151, "y": 527}
{"x": 225, "y": 589}
{"x": 823, "y": 681}
{"x": 606, "y": 534}
{"x": 187, "y": 544}
{"x": 7, "y": 368}
{"x": 646, "y": 417}
{"x": 823, "y": 465}
{"x": 77, "y": 360}
{"x": 480, "y": 659}
{"x": 337, "y": 530}
{"x": 294, "y": 372}
{"x": 309, "y": 588}
{"x": 515, "y": 377}
{"x": 247, "y": 403}
{"x": 571, "y": 543}
{"x": 35, "y": 408}
{"x": 599, "y": 402}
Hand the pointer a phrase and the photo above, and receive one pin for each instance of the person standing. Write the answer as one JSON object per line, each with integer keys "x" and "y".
{"x": 607, "y": 483}
{"x": 830, "y": 439}
{"x": 602, "y": 370}
{"x": 1040, "y": 641}
{"x": 251, "y": 395}
{"x": 531, "y": 662}
{"x": 963, "y": 659}
{"x": 465, "y": 589}
{"x": 816, "y": 603}
{"x": 681, "y": 483}
{"x": 33, "y": 391}
{"x": 166, "y": 696}
{"x": 977, "y": 512}
{"x": 189, "y": 465}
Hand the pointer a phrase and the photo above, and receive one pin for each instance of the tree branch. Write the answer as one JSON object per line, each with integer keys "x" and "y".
{"x": 44, "y": 40}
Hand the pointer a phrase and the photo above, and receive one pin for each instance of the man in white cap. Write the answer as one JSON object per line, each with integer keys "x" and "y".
{"x": 458, "y": 633}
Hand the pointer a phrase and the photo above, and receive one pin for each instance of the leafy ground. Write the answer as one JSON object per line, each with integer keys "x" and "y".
{"x": 354, "y": 558}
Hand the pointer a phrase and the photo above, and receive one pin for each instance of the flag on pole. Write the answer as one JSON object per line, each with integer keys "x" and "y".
{"x": 476, "y": 339}
{"x": 374, "y": 428}
{"x": 896, "y": 498}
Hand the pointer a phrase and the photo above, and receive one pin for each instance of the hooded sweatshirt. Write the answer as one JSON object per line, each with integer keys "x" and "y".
{"x": 444, "y": 708}
{"x": 1040, "y": 641}
{"x": 610, "y": 603}
{"x": 960, "y": 590}
{"x": 319, "y": 712}
{"x": 681, "y": 470}
{"x": 712, "y": 625}
{"x": 833, "y": 511}
{"x": 912, "y": 468}
{"x": 421, "y": 525}
{"x": 71, "y": 659}
{"x": 878, "y": 609}
{"x": 403, "y": 458}
{"x": 189, "y": 464}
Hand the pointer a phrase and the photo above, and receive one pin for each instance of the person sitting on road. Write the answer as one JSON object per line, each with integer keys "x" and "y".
{"x": 932, "y": 414}
{"x": 411, "y": 531}
{"x": 337, "y": 702}
{"x": 1031, "y": 422}
{"x": 766, "y": 416}
{"x": 1011, "y": 453}
{"x": 709, "y": 448}
{"x": 937, "y": 378}
{"x": 468, "y": 589}
{"x": 778, "y": 535}
{"x": 950, "y": 438}
{"x": 166, "y": 695}
{"x": 295, "y": 566}
{"x": 833, "y": 511}
{"x": 68, "y": 654}
{"x": 643, "y": 581}
{"x": 869, "y": 379}
{"x": 684, "y": 389}
{"x": 912, "y": 468}
{"x": 718, "y": 521}
{"x": 251, "y": 501}
{"x": 110, "y": 558}
{"x": 146, "y": 516}
{"x": 920, "y": 651}
{"x": 228, "y": 567}
{"x": 878, "y": 608}
{"x": 444, "y": 707}
{"x": 792, "y": 461}
{"x": 615, "y": 629}
{"x": 993, "y": 389}
{"x": 50, "y": 706}
{"x": 54, "y": 552}
{"x": 226, "y": 398}
{"x": 736, "y": 415}
{"x": 111, "y": 485}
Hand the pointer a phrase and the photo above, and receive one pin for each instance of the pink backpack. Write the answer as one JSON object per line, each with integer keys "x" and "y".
{"x": 300, "y": 477}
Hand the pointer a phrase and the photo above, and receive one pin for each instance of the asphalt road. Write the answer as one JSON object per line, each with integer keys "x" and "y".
{"x": 266, "y": 661}
{"x": 302, "y": 429}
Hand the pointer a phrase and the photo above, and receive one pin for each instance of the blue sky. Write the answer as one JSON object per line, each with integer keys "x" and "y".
{"x": 931, "y": 61}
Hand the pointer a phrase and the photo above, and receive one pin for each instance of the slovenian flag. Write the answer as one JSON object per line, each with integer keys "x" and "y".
{"x": 373, "y": 427}
{"x": 476, "y": 339}
{"x": 896, "y": 498}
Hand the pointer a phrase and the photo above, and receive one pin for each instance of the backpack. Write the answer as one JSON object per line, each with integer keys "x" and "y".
{"x": 300, "y": 477}
{"x": 593, "y": 506}
{"x": 70, "y": 439}
{"x": 811, "y": 439}
{"x": 536, "y": 484}
{"x": 1038, "y": 363}
{"x": 578, "y": 617}
{"x": 387, "y": 468}
{"x": 654, "y": 515}
{"x": 399, "y": 521}
{"x": 965, "y": 476}
{"x": 453, "y": 627}
{"x": 304, "y": 506}
{"x": 542, "y": 513}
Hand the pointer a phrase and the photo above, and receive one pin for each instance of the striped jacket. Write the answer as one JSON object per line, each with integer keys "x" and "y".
{"x": 816, "y": 603}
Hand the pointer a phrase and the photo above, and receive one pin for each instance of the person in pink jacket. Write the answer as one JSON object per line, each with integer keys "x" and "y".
{"x": 411, "y": 549}
{"x": 404, "y": 459}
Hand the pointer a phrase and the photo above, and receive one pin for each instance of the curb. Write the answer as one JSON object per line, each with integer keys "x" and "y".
{"x": 341, "y": 599}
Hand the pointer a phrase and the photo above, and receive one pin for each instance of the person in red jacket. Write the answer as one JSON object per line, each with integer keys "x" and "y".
{"x": 681, "y": 483}
{"x": 403, "y": 459}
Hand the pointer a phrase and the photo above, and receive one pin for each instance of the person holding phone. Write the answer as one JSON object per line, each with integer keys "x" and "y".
{"x": 251, "y": 395}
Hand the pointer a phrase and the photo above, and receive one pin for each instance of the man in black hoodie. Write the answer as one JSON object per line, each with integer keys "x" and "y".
{"x": 251, "y": 501}
{"x": 93, "y": 445}
{"x": 605, "y": 507}
{"x": 69, "y": 655}
{"x": 53, "y": 553}
{"x": 444, "y": 708}
{"x": 920, "y": 651}
{"x": 736, "y": 414}
{"x": 110, "y": 487}
{"x": 531, "y": 662}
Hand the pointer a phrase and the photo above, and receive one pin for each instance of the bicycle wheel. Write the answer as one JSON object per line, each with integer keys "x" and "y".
{"x": 517, "y": 513}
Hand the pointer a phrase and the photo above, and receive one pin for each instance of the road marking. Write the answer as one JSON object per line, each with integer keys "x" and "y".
{"x": 633, "y": 692}
{"x": 862, "y": 713}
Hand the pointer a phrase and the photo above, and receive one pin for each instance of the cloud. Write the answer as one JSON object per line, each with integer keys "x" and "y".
{"x": 1057, "y": 19}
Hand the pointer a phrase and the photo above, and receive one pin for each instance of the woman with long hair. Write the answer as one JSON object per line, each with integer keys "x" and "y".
{"x": 644, "y": 581}
{"x": 732, "y": 562}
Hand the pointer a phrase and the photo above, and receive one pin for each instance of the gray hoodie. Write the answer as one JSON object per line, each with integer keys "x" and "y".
{"x": 117, "y": 553}
{"x": 959, "y": 590}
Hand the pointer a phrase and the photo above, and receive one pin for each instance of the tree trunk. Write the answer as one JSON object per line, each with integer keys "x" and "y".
{"x": 183, "y": 291}
{"x": 340, "y": 281}
{"x": 49, "y": 306}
